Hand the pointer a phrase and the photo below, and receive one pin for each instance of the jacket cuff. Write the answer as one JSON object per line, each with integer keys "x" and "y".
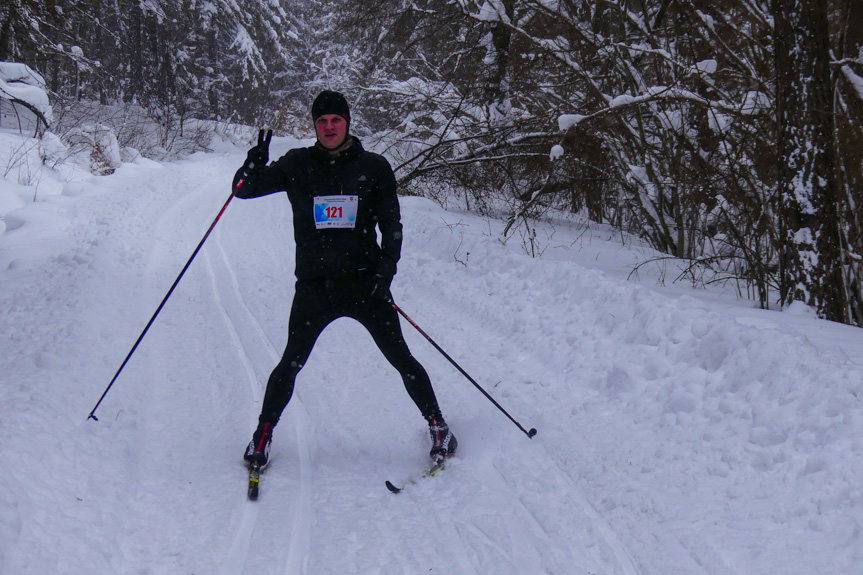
{"x": 242, "y": 185}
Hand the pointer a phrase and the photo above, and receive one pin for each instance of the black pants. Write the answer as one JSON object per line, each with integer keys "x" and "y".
{"x": 319, "y": 302}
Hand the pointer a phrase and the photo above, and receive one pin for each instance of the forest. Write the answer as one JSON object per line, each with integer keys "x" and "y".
{"x": 727, "y": 133}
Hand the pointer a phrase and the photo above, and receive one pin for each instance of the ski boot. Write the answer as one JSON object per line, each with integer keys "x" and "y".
{"x": 258, "y": 451}
{"x": 444, "y": 443}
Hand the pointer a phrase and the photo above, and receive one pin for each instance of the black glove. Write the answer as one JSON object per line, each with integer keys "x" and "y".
{"x": 380, "y": 288}
{"x": 256, "y": 159}
{"x": 259, "y": 155}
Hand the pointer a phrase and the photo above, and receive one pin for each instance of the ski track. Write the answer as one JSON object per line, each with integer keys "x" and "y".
{"x": 162, "y": 478}
{"x": 284, "y": 497}
{"x": 239, "y": 550}
{"x": 298, "y": 545}
{"x": 162, "y": 262}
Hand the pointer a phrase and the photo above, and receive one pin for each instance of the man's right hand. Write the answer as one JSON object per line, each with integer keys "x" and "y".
{"x": 259, "y": 155}
{"x": 256, "y": 159}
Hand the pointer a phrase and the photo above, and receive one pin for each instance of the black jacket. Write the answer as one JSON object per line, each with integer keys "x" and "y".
{"x": 309, "y": 176}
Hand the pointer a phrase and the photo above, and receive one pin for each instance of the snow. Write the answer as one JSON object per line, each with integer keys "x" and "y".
{"x": 21, "y": 82}
{"x": 855, "y": 80}
{"x": 754, "y": 102}
{"x": 680, "y": 430}
{"x": 706, "y": 66}
{"x": 16, "y": 72}
{"x": 566, "y": 121}
{"x": 622, "y": 100}
{"x": 243, "y": 43}
{"x": 492, "y": 11}
{"x": 718, "y": 122}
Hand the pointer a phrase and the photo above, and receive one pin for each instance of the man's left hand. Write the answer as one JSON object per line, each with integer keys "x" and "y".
{"x": 380, "y": 288}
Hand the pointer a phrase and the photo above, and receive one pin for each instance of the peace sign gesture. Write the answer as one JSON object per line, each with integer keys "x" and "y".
{"x": 259, "y": 155}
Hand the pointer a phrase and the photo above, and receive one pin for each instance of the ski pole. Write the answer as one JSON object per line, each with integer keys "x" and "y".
{"x": 530, "y": 433}
{"x": 161, "y": 305}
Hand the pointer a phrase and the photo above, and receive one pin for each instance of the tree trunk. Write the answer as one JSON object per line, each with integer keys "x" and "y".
{"x": 849, "y": 140}
{"x": 497, "y": 88}
{"x": 136, "y": 80}
{"x": 811, "y": 270}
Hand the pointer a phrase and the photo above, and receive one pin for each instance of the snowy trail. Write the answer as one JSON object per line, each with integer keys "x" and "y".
{"x": 226, "y": 276}
{"x": 477, "y": 510}
{"x": 469, "y": 545}
{"x": 679, "y": 431}
{"x": 181, "y": 444}
{"x": 179, "y": 392}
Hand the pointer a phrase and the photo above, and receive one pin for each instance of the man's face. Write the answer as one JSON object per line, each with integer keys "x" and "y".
{"x": 331, "y": 130}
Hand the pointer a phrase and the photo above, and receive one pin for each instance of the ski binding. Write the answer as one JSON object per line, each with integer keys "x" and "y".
{"x": 254, "y": 480}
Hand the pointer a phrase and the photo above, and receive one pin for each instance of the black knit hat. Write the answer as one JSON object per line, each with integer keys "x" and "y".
{"x": 329, "y": 102}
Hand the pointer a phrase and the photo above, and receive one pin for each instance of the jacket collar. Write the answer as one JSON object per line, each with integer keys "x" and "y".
{"x": 350, "y": 148}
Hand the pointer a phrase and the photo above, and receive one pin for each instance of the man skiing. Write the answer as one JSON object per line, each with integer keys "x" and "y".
{"x": 339, "y": 193}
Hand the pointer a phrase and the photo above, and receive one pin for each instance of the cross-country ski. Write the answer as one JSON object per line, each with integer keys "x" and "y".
{"x": 433, "y": 470}
{"x": 254, "y": 481}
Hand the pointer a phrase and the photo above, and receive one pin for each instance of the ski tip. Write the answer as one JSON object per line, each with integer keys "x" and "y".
{"x": 393, "y": 488}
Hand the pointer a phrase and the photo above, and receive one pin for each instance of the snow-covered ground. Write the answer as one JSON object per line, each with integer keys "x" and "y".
{"x": 681, "y": 431}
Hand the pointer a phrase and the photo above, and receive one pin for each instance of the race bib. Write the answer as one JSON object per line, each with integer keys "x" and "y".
{"x": 336, "y": 211}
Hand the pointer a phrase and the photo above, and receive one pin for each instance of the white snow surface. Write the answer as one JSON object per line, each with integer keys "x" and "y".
{"x": 21, "y": 82}
{"x": 681, "y": 431}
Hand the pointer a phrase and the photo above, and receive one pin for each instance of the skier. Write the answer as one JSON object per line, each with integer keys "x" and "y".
{"x": 338, "y": 192}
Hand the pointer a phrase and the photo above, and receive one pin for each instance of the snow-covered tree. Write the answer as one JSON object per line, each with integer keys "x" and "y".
{"x": 24, "y": 105}
{"x": 657, "y": 116}
{"x": 807, "y": 184}
{"x": 846, "y": 18}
